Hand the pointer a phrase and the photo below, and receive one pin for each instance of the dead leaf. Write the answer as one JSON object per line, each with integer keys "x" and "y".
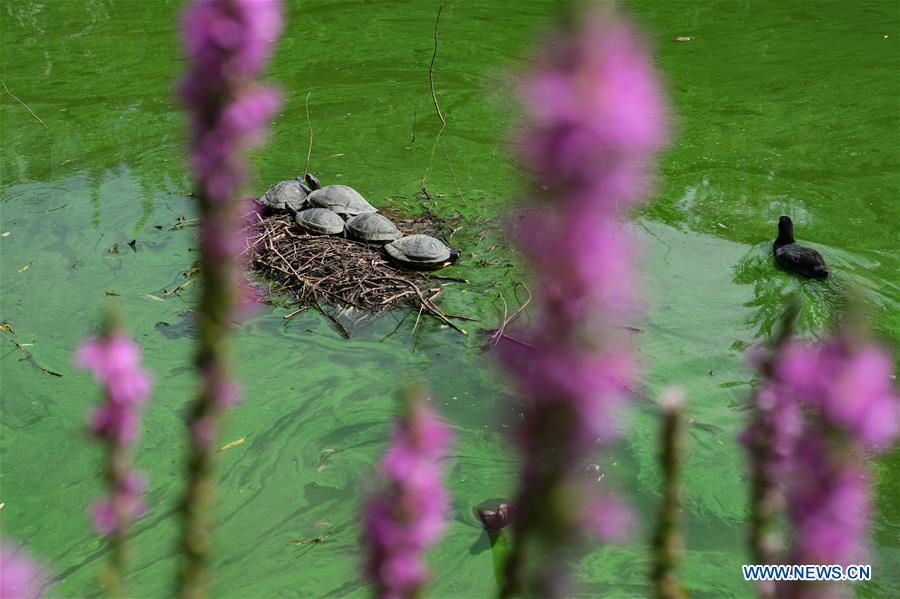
{"x": 234, "y": 443}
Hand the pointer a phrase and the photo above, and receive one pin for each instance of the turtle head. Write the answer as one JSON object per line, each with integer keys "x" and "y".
{"x": 454, "y": 257}
{"x": 494, "y": 519}
{"x": 303, "y": 184}
{"x": 312, "y": 181}
{"x": 785, "y": 230}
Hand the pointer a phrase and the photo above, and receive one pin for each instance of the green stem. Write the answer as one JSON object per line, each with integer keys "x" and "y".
{"x": 216, "y": 303}
{"x": 668, "y": 543}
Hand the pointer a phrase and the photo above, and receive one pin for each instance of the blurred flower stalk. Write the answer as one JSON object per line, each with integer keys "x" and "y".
{"x": 826, "y": 408}
{"x": 406, "y": 519}
{"x": 595, "y": 118}
{"x": 227, "y": 43}
{"x": 115, "y": 361}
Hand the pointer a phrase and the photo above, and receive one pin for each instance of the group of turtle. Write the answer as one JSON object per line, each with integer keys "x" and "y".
{"x": 341, "y": 210}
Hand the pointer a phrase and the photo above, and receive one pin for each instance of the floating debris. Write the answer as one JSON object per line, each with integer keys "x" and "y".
{"x": 234, "y": 443}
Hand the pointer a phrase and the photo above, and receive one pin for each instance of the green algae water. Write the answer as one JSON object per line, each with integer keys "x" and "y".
{"x": 782, "y": 108}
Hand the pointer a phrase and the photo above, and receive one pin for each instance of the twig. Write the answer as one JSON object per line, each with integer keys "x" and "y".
{"x": 431, "y": 67}
{"x": 184, "y": 223}
{"x": 434, "y": 309}
{"x": 461, "y": 317}
{"x": 500, "y": 331}
{"x": 415, "y": 116}
{"x": 309, "y": 124}
{"x": 287, "y": 317}
{"x": 524, "y": 305}
{"x": 446, "y": 278}
{"x": 29, "y": 357}
{"x": 418, "y": 316}
{"x": 453, "y": 175}
{"x": 508, "y": 337}
{"x": 341, "y": 328}
{"x": 45, "y": 124}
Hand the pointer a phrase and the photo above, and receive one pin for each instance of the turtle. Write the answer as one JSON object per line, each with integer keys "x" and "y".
{"x": 321, "y": 221}
{"x": 421, "y": 252}
{"x": 795, "y": 258}
{"x": 342, "y": 199}
{"x": 283, "y": 196}
{"x": 372, "y": 228}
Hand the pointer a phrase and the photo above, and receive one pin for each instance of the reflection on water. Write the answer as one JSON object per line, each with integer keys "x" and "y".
{"x": 821, "y": 301}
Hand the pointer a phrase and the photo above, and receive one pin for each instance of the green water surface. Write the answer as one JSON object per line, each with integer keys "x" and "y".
{"x": 782, "y": 108}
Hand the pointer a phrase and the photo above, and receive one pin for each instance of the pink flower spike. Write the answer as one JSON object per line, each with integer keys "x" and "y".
{"x": 595, "y": 117}
{"x": 410, "y": 516}
{"x": 115, "y": 361}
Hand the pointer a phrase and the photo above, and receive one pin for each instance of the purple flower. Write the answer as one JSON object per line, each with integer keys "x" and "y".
{"x": 595, "y": 118}
{"x": 410, "y": 516}
{"x": 609, "y": 519}
{"x": 853, "y": 389}
{"x": 828, "y": 502}
{"x": 819, "y": 410}
{"x": 847, "y": 389}
{"x": 20, "y": 578}
{"x": 227, "y": 42}
{"x": 115, "y": 361}
{"x": 126, "y": 499}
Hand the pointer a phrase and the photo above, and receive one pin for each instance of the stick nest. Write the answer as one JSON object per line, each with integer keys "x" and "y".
{"x": 337, "y": 275}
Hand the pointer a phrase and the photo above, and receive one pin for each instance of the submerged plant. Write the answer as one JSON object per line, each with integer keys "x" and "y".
{"x": 409, "y": 516}
{"x": 836, "y": 406}
{"x": 595, "y": 118}
{"x": 114, "y": 359}
{"x": 227, "y": 43}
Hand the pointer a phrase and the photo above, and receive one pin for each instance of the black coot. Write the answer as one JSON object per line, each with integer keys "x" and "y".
{"x": 796, "y": 258}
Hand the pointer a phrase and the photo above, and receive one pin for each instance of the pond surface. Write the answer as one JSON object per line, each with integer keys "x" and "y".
{"x": 783, "y": 108}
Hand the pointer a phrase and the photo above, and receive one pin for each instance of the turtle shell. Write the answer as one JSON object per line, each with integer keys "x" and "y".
{"x": 284, "y": 195}
{"x": 342, "y": 199}
{"x": 372, "y": 228}
{"x": 320, "y": 220}
{"x": 420, "y": 252}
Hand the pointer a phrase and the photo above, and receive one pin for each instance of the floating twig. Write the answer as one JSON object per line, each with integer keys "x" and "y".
{"x": 29, "y": 357}
{"x": 431, "y": 67}
{"x": 499, "y": 332}
{"x": 453, "y": 175}
{"x": 309, "y": 124}
{"x": 14, "y": 97}
{"x": 182, "y": 223}
{"x": 446, "y": 278}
